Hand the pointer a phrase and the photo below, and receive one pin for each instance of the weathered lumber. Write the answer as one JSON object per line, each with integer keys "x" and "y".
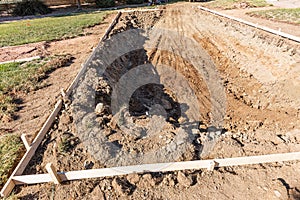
{"x": 21, "y": 60}
{"x": 158, "y": 167}
{"x": 25, "y": 141}
{"x": 53, "y": 173}
{"x": 84, "y": 66}
{"x": 285, "y": 35}
{"x": 9, "y": 185}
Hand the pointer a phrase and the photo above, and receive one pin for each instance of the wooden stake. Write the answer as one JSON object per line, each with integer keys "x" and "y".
{"x": 63, "y": 93}
{"x": 9, "y": 185}
{"x": 25, "y": 141}
{"x": 53, "y": 173}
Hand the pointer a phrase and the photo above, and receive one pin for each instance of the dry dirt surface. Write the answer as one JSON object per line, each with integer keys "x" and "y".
{"x": 285, "y": 3}
{"x": 22, "y": 51}
{"x": 279, "y": 26}
{"x": 236, "y": 93}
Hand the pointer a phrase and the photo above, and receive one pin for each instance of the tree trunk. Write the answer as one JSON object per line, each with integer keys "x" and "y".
{"x": 78, "y": 5}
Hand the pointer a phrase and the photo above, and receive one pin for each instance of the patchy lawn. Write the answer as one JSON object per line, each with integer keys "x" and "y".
{"x": 48, "y": 28}
{"x": 231, "y": 4}
{"x": 289, "y": 15}
{"x": 24, "y": 77}
{"x": 11, "y": 150}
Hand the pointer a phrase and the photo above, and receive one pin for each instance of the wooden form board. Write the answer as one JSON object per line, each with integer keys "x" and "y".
{"x": 84, "y": 66}
{"x": 157, "y": 167}
{"x": 285, "y": 35}
{"x": 21, "y": 60}
{"x": 9, "y": 185}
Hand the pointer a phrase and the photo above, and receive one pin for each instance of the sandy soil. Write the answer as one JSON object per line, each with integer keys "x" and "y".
{"x": 285, "y": 3}
{"x": 246, "y": 84}
{"x": 284, "y": 27}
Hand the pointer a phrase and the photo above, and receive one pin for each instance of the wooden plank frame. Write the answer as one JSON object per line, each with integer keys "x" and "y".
{"x": 282, "y": 34}
{"x": 157, "y": 167}
{"x": 21, "y": 60}
{"x": 53, "y": 174}
{"x": 17, "y": 178}
{"x": 25, "y": 141}
{"x": 9, "y": 185}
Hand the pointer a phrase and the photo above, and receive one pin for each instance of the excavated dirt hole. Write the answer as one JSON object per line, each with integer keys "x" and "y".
{"x": 144, "y": 97}
{"x": 151, "y": 94}
{"x": 146, "y": 103}
{"x": 160, "y": 120}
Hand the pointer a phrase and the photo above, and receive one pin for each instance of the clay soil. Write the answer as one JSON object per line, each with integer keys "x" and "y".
{"x": 251, "y": 108}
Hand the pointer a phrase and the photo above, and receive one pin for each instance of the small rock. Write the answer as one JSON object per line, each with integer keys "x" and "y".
{"x": 133, "y": 178}
{"x": 148, "y": 179}
{"x": 97, "y": 194}
{"x": 181, "y": 120}
{"x": 65, "y": 118}
{"x": 277, "y": 193}
{"x": 88, "y": 164}
{"x": 168, "y": 180}
{"x": 171, "y": 182}
{"x": 184, "y": 180}
{"x": 203, "y": 126}
{"x": 195, "y": 131}
{"x": 99, "y": 108}
{"x": 122, "y": 187}
{"x": 212, "y": 129}
{"x": 166, "y": 104}
{"x": 117, "y": 186}
{"x": 38, "y": 168}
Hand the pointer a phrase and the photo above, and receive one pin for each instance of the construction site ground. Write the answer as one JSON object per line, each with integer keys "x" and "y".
{"x": 259, "y": 72}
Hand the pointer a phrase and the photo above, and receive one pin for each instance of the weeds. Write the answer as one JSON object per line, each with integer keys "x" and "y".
{"x": 67, "y": 143}
{"x": 290, "y": 15}
{"x": 24, "y": 77}
{"x": 11, "y": 149}
{"x": 231, "y": 4}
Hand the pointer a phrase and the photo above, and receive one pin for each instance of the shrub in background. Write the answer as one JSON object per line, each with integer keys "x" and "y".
{"x": 105, "y": 3}
{"x": 30, "y": 7}
{"x": 134, "y": 1}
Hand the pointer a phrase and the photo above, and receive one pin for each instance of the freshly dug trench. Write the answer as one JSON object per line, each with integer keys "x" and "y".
{"x": 142, "y": 104}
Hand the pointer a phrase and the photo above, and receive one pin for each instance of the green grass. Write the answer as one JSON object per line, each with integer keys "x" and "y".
{"x": 11, "y": 149}
{"x": 15, "y": 76}
{"x": 291, "y": 15}
{"x": 231, "y": 4}
{"x": 24, "y": 77}
{"x": 47, "y": 29}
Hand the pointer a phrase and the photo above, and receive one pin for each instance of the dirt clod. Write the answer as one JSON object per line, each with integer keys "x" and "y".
{"x": 184, "y": 180}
